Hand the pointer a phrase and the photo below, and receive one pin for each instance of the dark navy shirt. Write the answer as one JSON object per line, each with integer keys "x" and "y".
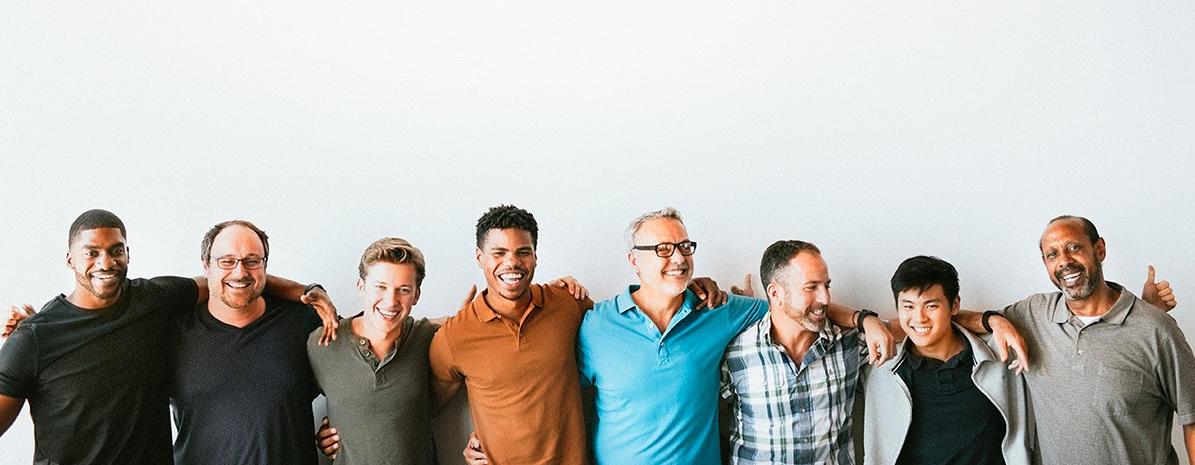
{"x": 953, "y": 422}
{"x": 242, "y": 396}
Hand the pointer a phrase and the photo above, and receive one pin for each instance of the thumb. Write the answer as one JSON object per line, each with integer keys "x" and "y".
{"x": 1149, "y": 279}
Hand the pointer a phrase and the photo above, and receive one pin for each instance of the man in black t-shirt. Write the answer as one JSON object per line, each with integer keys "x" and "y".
{"x": 242, "y": 383}
{"x": 93, "y": 364}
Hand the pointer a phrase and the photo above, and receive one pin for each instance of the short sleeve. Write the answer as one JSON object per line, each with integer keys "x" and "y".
{"x": 745, "y": 311}
{"x": 1177, "y": 373}
{"x": 443, "y": 365}
{"x": 181, "y": 293}
{"x": 584, "y": 365}
{"x": 18, "y": 362}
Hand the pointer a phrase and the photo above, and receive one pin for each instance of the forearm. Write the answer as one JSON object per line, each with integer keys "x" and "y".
{"x": 841, "y": 315}
{"x": 10, "y": 407}
{"x": 971, "y": 321}
{"x": 283, "y": 288}
{"x": 442, "y": 393}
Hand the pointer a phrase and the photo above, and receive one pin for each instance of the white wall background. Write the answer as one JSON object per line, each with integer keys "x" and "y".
{"x": 877, "y": 130}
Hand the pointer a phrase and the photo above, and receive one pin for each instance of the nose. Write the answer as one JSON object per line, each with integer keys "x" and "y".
{"x": 823, "y": 296}
{"x": 106, "y": 261}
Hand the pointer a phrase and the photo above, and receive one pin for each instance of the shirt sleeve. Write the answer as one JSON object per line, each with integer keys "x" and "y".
{"x": 18, "y": 362}
{"x": 584, "y": 365}
{"x": 1177, "y": 373}
{"x": 443, "y": 365}
{"x": 745, "y": 311}
{"x": 181, "y": 293}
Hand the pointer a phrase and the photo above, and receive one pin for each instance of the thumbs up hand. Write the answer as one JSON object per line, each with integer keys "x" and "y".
{"x": 1158, "y": 293}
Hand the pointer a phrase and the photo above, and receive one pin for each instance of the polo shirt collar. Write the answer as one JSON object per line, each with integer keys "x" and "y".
{"x": 485, "y": 313}
{"x": 1115, "y": 315}
{"x": 624, "y": 302}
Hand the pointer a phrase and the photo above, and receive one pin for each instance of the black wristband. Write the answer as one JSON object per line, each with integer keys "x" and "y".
{"x": 862, "y": 315}
{"x": 985, "y": 320}
{"x": 312, "y": 286}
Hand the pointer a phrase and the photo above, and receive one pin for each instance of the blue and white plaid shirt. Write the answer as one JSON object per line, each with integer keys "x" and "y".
{"x": 788, "y": 414}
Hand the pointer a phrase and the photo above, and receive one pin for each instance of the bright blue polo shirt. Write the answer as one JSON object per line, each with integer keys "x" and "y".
{"x": 657, "y": 394}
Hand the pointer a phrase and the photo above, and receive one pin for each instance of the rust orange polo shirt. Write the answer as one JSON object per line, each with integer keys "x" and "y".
{"x": 524, "y": 390}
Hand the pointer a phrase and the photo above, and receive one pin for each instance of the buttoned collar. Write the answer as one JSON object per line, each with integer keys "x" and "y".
{"x": 1115, "y": 315}
{"x": 624, "y": 302}
{"x": 485, "y": 313}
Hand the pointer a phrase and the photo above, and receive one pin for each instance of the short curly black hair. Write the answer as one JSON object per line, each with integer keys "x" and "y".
{"x": 507, "y": 217}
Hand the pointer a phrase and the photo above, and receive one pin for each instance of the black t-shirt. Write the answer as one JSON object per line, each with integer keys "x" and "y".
{"x": 96, "y": 379}
{"x": 953, "y": 422}
{"x": 243, "y": 395}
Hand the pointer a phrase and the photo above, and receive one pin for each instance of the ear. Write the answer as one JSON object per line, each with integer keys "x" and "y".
{"x": 775, "y": 292}
{"x": 478, "y": 257}
{"x": 1101, "y": 249}
{"x": 415, "y": 300}
{"x": 360, "y": 285}
{"x": 954, "y": 306}
{"x": 633, "y": 261}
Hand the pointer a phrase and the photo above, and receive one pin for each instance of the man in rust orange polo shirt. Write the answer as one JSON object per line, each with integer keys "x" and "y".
{"x": 514, "y": 346}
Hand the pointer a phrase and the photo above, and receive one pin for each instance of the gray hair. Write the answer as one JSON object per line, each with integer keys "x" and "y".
{"x": 666, "y": 212}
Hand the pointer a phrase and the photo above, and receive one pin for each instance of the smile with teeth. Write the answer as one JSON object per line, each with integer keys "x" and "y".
{"x": 1071, "y": 278}
{"x": 677, "y": 272}
{"x": 920, "y": 330}
{"x": 511, "y": 277}
{"x": 104, "y": 275}
{"x": 386, "y": 314}
{"x": 238, "y": 284}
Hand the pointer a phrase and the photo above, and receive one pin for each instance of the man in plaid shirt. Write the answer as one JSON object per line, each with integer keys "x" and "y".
{"x": 791, "y": 378}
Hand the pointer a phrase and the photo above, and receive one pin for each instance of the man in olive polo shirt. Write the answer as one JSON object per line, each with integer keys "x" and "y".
{"x": 375, "y": 375}
{"x": 1109, "y": 370}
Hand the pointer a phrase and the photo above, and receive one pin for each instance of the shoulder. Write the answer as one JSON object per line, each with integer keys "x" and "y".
{"x": 165, "y": 284}
{"x": 1036, "y": 306}
{"x": 424, "y": 329}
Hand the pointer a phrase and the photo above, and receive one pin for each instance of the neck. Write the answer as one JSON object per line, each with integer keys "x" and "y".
{"x": 381, "y": 341}
{"x": 84, "y": 299}
{"x": 238, "y": 317}
{"x": 658, "y": 306}
{"x": 1095, "y": 304}
{"x": 943, "y": 350}
{"x": 795, "y": 338}
{"x": 507, "y": 308}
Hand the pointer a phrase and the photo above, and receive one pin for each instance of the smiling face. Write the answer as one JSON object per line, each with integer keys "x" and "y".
{"x": 667, "y": 275}
{"x": 802, "y": 290}
{"x": 507, "y": 256}
{"x": 388, "y": 291}
{"x": 925, "y": 316}
{"x": 100, "y": 260}
{"x": 1073, "y": 262}
{"x": 239, "y": 287}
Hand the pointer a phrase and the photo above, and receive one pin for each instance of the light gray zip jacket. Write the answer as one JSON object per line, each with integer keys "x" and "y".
{"x": 889, "y": 406}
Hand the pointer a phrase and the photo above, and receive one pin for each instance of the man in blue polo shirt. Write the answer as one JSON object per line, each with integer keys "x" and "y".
{"x": 653, "y": 357}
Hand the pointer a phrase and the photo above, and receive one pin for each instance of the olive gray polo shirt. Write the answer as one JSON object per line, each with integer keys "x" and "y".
{"x": 1105, "y": 393}
{"x": 380, "y": 408}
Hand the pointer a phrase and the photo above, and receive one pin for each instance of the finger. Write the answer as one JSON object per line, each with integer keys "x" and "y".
{"x": 1019, "y": 348}
{"x": 28, "y": 309}
{"x": 1002, "y": 348}
{"x": 1149, "y": 277}
{"x": 722, "y": 298}
{"x": 584, "y": 293}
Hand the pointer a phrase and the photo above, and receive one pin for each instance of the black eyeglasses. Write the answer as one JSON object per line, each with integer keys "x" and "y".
{"x": 250, "y": 263}
{"x": 665, "y": 249}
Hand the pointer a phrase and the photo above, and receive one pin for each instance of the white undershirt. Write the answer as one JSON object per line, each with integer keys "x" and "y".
{"x": 1087, "y": 320}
